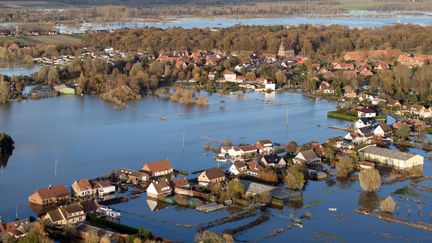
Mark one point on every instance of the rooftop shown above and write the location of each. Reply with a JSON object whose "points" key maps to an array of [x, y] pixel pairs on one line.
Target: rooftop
{"points": [[387, 153]]}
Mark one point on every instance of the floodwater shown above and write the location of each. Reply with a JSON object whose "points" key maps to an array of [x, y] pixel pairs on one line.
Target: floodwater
{"points": [[17, 69], [88, 138], [353, 21]]}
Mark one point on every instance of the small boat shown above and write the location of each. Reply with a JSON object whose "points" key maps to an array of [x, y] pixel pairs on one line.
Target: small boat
{"points": [[162, 117], [332, 209]]}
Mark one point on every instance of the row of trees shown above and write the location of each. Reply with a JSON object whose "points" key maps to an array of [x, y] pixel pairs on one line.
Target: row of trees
{"points": [[317, 42]]}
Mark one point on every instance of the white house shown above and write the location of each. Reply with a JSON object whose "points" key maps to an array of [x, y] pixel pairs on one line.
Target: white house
{"points": [[307, 157], [254, 168], [159, 187], [238, 167], [355, 138], [383, 130], [366, 112], [264, 146], [103, 188], [83, 188], [234, 151], [248, 150], [242, 151], [362, 122], [273, 160], [270, 86], [425, 112], [230, 76]]}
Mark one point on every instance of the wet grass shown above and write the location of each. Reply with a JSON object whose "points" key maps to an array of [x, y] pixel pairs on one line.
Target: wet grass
{"points": [[406, 191], [313, 204], [329, 236]]}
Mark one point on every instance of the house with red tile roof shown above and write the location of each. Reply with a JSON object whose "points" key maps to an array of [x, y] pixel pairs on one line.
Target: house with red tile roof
{"points": [[359, 56], [16, 229], [342, 66], [50, 195], [158, 168], [83, 188]]}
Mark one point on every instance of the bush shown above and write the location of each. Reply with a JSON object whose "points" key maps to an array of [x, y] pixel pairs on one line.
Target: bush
{"points": [[208, 236], [181, 200], [370, 180], [388, 205], [265, 197], [268, 176], [345, 166], [119, 96], [294, 178], [186, 97], [235, 189], [226, 143]]}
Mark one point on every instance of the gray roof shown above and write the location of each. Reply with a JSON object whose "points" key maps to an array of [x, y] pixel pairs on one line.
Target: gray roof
{"points": [[309, 154], [387, 153]]}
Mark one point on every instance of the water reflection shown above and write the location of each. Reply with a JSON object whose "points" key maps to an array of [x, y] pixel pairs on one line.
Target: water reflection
{"points": [[4, 160], [15, 69], [156, 205], [368, 201]]}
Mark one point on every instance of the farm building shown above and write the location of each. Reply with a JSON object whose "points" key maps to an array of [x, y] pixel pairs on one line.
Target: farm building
{"points": [[397, 159]]}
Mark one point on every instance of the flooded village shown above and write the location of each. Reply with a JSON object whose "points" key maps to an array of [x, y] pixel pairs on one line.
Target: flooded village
{"points": [[252, 182]]}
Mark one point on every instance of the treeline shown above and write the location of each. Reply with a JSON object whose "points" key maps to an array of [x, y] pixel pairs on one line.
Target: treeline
{"points": [[13, 51], [317, 42]]}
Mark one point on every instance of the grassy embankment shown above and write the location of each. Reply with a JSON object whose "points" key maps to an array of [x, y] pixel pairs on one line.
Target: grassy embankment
{"points": [[346, 115]]}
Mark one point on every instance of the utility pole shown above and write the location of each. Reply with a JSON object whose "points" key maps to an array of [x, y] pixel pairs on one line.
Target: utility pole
{"points": [[183, 141], [16, 212], [55, 168]]}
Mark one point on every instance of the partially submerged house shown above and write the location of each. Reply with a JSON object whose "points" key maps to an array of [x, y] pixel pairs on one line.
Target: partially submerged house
{"points": [[83, 188], [65, 215], [273, 160], [132, 176], [50, 195], [264, 146], [307, 157], [16, 229], [211, 175], [383, 130], [366, 112], [159, 187], [238, 167], [389, 157], [103, 188], [254, 168], [158, 168], [363, 122]]}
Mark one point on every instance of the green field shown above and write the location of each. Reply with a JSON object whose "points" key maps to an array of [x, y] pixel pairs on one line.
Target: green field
{"points": [[343, 115]]}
